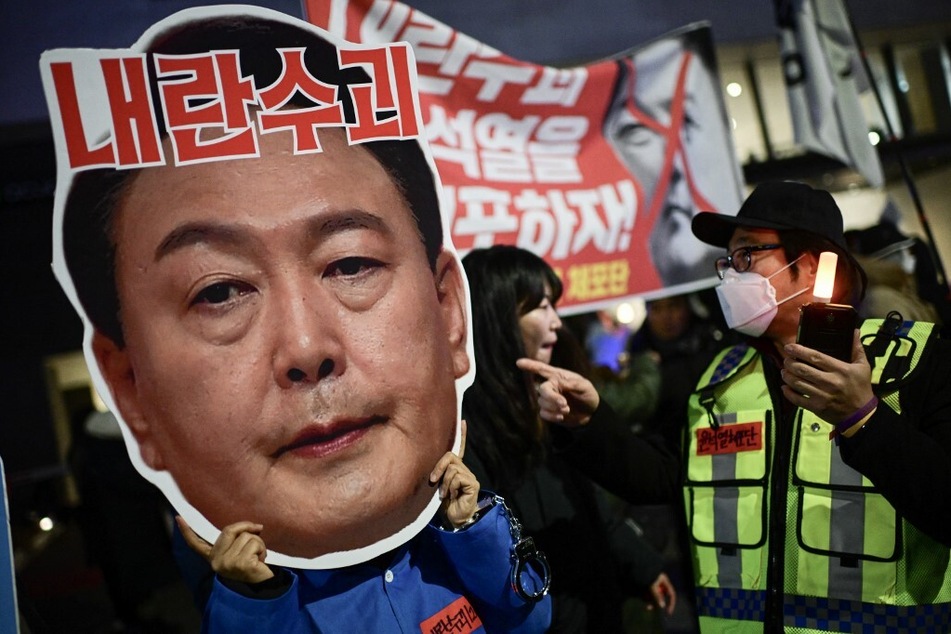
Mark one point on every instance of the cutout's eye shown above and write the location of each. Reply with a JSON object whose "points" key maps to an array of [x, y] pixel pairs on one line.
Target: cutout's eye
{"points": [[221, 292], [352, 266]]}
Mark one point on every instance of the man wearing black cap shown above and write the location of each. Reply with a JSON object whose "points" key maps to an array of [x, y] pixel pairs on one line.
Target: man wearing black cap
{"points": [[790, 531]]}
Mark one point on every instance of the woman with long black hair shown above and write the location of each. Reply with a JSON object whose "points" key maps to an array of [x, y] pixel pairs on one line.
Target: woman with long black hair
{"points": [[541, 437]]}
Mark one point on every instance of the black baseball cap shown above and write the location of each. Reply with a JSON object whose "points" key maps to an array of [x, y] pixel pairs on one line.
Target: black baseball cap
{"points": [[780, 205], [776, 205]]}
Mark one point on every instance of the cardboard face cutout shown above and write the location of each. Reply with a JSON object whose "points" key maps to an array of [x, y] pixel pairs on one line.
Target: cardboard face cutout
{"points": [[247, 220]]}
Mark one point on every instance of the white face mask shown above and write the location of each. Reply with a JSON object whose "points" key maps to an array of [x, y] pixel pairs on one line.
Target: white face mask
{"points": [[749, 301]]}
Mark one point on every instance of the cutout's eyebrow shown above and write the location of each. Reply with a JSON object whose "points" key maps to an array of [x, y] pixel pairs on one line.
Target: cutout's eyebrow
{"points": [[201, 232], [325, 225], [318, 228]]}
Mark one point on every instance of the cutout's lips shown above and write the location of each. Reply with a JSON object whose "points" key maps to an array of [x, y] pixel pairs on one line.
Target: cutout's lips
{"points": [[321, 440]]}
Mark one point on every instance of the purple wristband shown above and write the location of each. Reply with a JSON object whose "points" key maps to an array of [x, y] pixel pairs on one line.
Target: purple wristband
{"points": [[843, 425]]}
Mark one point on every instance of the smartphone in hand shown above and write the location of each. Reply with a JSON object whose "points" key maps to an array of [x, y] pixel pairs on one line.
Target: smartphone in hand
{"points": [[828, 328]]}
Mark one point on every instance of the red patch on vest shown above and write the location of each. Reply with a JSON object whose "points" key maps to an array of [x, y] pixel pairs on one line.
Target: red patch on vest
{"points": [[459, 617], [730, 439]]}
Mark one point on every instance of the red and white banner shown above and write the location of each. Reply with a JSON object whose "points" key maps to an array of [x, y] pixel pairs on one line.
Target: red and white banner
{"points": [[599, 169]]}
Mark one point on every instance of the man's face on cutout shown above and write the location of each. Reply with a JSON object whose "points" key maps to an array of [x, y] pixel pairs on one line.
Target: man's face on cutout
{"points": [[290, 354]]}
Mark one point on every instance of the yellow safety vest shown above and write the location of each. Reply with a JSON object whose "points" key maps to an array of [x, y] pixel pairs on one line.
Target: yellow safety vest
{"points": [[851, 563]]}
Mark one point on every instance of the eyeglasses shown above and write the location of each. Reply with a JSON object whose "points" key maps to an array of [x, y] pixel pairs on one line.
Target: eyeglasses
{"points": [[741, 259]]}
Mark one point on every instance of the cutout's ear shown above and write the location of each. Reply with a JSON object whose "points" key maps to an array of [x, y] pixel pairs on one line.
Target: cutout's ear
{"points": [[117, 370], [450, 292]]}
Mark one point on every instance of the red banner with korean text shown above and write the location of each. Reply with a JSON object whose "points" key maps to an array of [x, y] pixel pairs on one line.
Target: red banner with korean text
{"points": [[599, 168]]}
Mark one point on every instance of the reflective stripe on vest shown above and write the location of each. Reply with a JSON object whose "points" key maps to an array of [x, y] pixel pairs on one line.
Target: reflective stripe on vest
{"points": [[823, 615], [843, 540]]}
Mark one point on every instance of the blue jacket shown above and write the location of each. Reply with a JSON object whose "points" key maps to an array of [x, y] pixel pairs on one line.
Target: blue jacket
{"points": [[440, 581]]}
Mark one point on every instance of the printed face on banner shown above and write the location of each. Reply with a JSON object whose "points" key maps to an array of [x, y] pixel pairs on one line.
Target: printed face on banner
{"points": [[668, 126], [283, 333], [598, 169]]}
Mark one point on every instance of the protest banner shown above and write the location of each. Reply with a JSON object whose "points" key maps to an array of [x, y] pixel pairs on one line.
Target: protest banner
{"points": [[597, 168]]}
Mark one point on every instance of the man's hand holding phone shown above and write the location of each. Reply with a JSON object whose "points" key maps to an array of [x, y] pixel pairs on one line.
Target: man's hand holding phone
{"points": [[831, 388]]}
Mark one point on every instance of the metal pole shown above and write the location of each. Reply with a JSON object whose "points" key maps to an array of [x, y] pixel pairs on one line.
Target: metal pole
{"points": [[905, 169], [758, 104]]}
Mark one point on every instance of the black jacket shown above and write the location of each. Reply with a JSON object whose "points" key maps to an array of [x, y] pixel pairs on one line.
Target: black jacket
{"points": [[596, 555]]}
